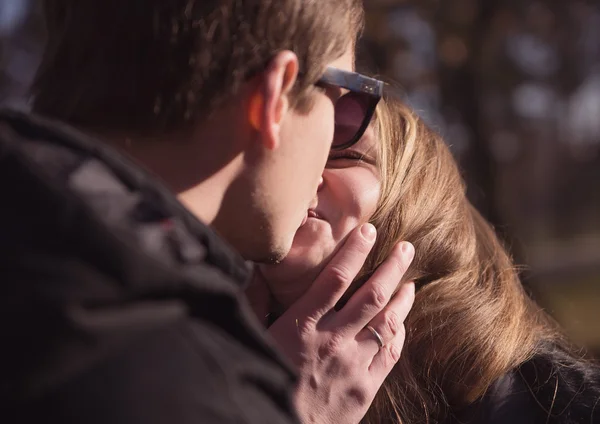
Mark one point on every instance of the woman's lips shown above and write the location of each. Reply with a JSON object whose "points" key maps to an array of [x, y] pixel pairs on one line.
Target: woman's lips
{"points": [[314, 214], [311, 213]]}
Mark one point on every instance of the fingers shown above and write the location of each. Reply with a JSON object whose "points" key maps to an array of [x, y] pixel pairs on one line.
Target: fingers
{"points": [[386, 358], [368, 344], [375, 294], [388, 323], [335, 279], [388, 326]]}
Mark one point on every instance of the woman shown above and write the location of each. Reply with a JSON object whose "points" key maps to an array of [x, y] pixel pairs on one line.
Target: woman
{"points": [[477, 349]]}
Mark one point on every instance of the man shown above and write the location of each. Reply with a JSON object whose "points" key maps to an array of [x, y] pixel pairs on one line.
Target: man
{"points": [[119, 304]]}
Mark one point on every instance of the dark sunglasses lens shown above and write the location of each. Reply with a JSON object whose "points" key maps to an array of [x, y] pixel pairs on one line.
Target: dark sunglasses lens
{"points": [[350, 112]]}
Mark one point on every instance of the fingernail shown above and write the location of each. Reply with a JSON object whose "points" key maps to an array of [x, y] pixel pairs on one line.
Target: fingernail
{"points": [[408, 250], [368, 231]]}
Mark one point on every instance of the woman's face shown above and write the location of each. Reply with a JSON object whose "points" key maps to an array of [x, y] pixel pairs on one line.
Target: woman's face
{"points": [[347, 198]]}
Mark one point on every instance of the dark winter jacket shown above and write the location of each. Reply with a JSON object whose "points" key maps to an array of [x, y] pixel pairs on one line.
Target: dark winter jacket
{"points": [[551, 388], [117, 305]]}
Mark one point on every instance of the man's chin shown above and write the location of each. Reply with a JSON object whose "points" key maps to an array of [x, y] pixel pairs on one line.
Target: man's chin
{"points": [[275, 259], [276, 254], [294, 267]]}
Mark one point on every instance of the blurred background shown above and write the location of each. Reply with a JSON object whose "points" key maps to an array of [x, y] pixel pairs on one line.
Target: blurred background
{"points": [[512, 85]]}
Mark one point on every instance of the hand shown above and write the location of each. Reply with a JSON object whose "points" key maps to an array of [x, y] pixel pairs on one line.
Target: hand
{"points": [[342, 363]]}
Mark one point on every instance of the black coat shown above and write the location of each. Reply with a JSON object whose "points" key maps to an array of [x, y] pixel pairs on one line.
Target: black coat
{"points": [[551, 388], [117, 305]]}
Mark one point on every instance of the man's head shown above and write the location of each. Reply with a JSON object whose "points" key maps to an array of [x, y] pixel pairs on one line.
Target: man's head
{"points": [[238, 73]]}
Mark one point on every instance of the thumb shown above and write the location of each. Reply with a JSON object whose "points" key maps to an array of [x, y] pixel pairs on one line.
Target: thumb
{"points": [[338, 274]]}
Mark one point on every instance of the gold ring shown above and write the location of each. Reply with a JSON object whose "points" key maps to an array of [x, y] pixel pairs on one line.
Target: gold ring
{"points": [[377, 336]]}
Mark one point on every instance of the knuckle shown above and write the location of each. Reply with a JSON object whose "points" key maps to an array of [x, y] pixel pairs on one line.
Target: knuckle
{"points": [[358, 396], [392, 323], [330, 348], [377, 296], [305, 327], [340, 275]]}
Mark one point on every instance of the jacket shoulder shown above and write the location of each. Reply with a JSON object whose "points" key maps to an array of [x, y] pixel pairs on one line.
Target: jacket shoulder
{"points": [[550, 388]]}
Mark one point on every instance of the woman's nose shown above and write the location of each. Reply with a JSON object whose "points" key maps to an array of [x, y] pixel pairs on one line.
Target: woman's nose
{"points": [[320, 184]]}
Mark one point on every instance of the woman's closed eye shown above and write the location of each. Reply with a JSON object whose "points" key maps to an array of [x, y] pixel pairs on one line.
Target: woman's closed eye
{"points": [[348, 158]]}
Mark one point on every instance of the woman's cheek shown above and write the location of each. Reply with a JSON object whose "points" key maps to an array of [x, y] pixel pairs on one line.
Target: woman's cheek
{"points": [[367, 195]]}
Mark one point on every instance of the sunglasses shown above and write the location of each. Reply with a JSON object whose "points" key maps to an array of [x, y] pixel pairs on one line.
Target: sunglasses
{"points": [[355, 109]]}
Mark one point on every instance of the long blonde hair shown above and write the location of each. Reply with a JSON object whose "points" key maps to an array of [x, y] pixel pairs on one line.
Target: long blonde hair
{"points": [[471, 322]]}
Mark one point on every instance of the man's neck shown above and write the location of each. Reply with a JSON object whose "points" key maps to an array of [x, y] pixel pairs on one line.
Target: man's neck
{"points": [[198, 169], [205, 199]]}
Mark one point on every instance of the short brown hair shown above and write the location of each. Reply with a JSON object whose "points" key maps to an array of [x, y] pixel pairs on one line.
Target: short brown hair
{"points": [[152, 66]]}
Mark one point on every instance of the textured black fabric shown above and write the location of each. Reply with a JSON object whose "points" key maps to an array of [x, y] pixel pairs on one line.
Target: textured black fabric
{"points": [[551, 388], [117, 305]]}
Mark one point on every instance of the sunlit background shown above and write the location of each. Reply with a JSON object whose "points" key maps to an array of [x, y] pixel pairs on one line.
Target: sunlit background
{"points": [[512, 85]]}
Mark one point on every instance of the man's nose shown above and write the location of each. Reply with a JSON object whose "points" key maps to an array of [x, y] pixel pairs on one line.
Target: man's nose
{"points": [[320, 184]]}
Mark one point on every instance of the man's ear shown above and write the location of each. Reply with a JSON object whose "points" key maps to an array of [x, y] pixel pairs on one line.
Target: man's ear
{"points": [[270, 97]]}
